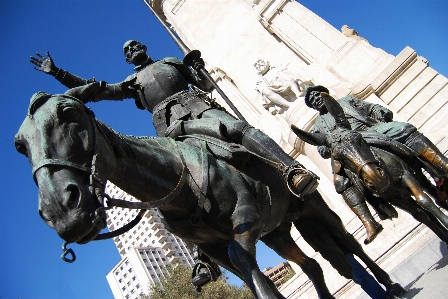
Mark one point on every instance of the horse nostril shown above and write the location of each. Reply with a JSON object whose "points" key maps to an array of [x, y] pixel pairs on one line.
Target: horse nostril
{"points": [[72, 196]]}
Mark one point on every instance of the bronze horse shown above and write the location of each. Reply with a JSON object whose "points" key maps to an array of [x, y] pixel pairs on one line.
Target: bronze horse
{"points": [[73, 154], [377, 172]]}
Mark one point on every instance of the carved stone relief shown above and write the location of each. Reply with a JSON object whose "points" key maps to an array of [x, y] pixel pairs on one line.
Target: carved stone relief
{"points": [[278, 85]]}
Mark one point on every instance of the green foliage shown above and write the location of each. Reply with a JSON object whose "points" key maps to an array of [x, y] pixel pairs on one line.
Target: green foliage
{"points": [[288, 276], [178, 285]]}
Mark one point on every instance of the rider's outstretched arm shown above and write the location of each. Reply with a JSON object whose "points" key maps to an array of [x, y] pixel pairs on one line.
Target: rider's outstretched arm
{"points": [[99, 91], [46, 65]]}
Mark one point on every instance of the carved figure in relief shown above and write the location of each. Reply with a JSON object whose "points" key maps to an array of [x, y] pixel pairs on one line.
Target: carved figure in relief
{"points": [[377, 123], [277, 85]]}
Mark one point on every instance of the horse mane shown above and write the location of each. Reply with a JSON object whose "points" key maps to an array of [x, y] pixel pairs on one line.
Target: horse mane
{"points": [[41, 97], [116, 140]]}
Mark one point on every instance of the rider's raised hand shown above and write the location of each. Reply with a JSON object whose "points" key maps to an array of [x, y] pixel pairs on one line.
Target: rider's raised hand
{"points": [[44, 64]]}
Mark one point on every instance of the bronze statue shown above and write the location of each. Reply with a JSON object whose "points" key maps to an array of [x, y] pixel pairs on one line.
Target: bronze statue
{"points": [[225, 209], [372, 118], [373, 171], [162, 88]]}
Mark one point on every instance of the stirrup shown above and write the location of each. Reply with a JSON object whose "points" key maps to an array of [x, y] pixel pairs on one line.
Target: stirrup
{"points": [[300, 181], [203, 273]]}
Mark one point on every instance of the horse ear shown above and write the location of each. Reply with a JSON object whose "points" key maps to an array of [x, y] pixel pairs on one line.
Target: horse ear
{"points": [[84, 93], [336, 111], [316, 139]]}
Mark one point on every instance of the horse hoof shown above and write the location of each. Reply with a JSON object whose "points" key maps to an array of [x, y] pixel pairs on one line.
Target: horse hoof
{"points": [[371, 235], [395, 291]]}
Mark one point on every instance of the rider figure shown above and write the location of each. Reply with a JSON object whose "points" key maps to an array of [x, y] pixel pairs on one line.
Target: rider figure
{"points": [[365, 116], [162, 88]]}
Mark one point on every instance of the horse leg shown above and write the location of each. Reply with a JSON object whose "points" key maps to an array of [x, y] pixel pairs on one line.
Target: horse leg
{"points": [[422, 199], [345, 240], [247, 229], [438, 192], [280, 241], [219, 254], [408, 205]]}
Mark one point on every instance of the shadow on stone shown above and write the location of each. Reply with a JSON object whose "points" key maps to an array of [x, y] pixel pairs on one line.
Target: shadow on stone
{"points": [[412, 293], [444, 261], [408, 287]]}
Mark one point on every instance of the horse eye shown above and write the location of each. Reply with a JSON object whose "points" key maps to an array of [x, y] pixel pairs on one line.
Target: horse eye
{"points": [[68, 112]]}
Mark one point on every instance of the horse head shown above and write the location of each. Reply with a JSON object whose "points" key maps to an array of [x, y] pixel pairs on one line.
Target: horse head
{"points": [[58, 137], [349, 149]]}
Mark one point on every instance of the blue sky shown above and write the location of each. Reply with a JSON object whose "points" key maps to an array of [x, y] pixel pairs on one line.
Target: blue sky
{"points": [[86, 38]]}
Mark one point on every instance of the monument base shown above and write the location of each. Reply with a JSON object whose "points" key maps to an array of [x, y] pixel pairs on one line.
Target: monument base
{"points": [[422, 248]]}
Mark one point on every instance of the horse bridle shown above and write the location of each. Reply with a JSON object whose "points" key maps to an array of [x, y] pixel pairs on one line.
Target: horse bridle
{"points": [[97, 186]]}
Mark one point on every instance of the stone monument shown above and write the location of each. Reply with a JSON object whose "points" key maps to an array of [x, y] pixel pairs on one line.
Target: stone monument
{"points": [[346, 66]]}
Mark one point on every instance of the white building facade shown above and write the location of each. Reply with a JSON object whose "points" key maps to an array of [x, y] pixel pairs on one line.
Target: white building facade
{"points": [[146, 250]]}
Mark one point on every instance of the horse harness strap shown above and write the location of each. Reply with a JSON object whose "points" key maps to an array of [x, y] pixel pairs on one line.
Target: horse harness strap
{"points": [[122, 229], [143, 206], [195, 219], [58, 162], [113, 202]]}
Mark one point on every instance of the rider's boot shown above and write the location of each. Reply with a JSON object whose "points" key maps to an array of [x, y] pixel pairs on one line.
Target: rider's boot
{"points": [[300, 181], [428, 151], [355, 200]]}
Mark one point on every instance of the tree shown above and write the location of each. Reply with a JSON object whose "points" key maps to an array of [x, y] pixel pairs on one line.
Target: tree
{"points": [[178, 285]]}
